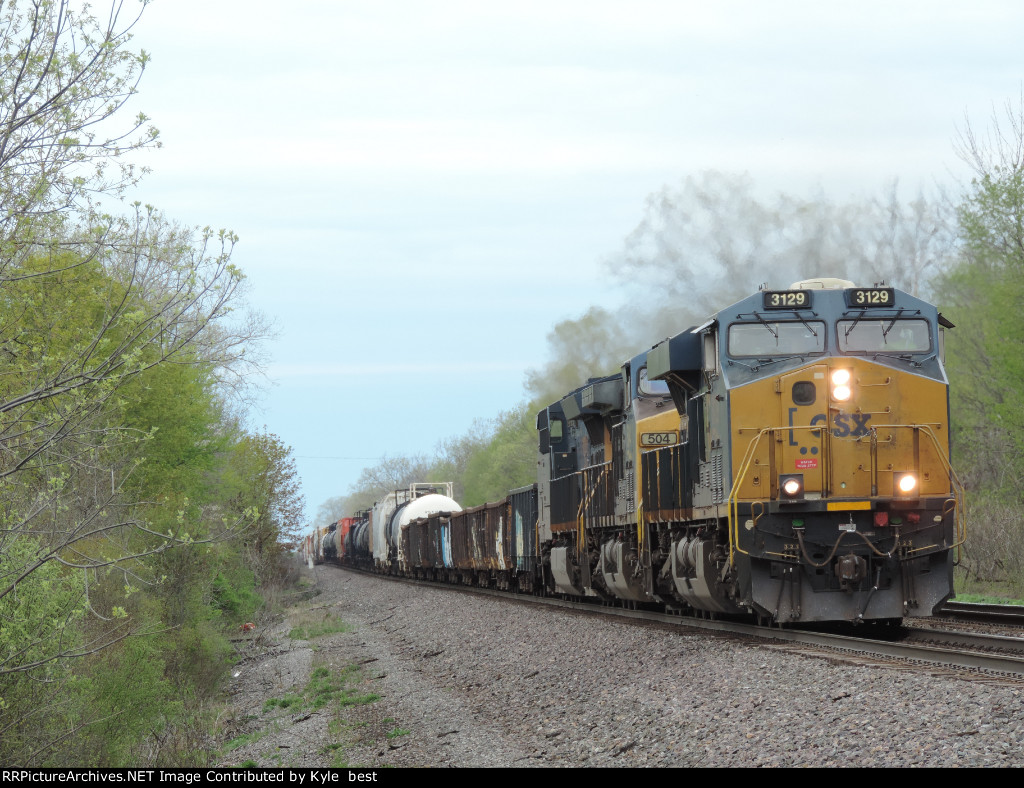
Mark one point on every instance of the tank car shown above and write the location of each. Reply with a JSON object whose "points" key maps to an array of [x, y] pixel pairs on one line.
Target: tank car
{"points": [[788, 458], [393, 513], [334, 539], [357, 550]]}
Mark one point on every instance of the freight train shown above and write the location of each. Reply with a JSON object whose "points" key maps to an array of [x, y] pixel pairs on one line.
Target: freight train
{"points": [[786, 460]]}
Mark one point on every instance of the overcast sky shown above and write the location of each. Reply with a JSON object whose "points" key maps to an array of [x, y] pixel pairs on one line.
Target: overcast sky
{"points": [[423, 189]]}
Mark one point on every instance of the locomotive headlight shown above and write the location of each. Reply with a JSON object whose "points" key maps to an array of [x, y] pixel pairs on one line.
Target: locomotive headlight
{"points": [[791, 486], [841, 390], [906, 483]]}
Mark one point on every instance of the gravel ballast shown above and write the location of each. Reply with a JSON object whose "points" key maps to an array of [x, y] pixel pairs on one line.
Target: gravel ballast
{"points": [[471, 681]]}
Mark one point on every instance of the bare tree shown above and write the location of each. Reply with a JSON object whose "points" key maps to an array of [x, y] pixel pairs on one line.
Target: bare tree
{"points": [[999, 151], [713, 237], [388, 475], [712, 240], [332, 510]]}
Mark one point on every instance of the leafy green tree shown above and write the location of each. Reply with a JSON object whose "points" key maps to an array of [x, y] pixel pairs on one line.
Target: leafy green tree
{"points": [[262, 470], [453, 456], [67, 76], [494, 456], [178, 410], [64, 447], [507, 461], [590, 346], [119, 334], [984, 294]]}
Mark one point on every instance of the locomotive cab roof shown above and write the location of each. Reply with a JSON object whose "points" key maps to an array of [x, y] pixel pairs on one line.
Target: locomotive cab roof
{"points": [[822, 283], [600, 397]]}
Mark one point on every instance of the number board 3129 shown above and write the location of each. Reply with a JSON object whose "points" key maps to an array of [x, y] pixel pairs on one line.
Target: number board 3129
{"points": [[870, 296], [787, 299]]}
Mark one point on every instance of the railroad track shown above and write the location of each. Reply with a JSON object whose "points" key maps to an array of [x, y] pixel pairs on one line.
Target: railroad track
{"points": [[994, 657], [1008, 615], [975, 655], [997, 658]]}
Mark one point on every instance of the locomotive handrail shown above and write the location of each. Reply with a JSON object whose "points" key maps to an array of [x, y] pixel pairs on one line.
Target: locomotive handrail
{"points": [[733, 529], [958, 487], [585, 501], [960, 528]]}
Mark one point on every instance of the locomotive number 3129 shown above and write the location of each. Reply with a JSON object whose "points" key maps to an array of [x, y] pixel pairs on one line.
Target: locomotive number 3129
{"points": [[786, 299]]}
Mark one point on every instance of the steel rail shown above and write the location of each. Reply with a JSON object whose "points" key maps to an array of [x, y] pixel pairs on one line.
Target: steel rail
{"points": [[974, 658]]}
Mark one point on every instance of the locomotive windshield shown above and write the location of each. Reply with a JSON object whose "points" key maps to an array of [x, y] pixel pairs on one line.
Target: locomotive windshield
{"points": [[886, 335], [651, 387], [796, 338]]}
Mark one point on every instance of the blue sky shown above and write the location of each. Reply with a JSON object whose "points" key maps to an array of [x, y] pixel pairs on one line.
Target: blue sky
{"points": [[422, 190]]}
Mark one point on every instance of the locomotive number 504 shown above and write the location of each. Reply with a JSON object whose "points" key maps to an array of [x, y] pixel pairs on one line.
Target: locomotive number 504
{"points": [[659, 438]]}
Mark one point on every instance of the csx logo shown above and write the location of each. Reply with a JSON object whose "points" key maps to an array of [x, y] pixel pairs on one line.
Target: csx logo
{"points": [[850, 424], [846, 425]]}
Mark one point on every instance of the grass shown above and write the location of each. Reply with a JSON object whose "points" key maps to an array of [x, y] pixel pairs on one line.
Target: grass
{"points": [[283, 703], [315, 629], [338, 727], [395, 732], [987, 592], [336, 688], [340, 761], [341, 687], [241, 741], [986, 599], [324, 687]]}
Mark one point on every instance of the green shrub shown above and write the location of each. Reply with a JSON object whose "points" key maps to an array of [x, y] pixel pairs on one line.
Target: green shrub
{"points": [[235, 595], [122, 701]]}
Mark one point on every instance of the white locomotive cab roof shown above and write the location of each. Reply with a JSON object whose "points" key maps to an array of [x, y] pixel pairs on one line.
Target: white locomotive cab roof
{"points": [[823, 283]]}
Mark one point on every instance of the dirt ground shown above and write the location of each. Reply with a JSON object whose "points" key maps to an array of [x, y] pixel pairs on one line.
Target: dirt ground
{"points": [[336, 683], [279, 715]]}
